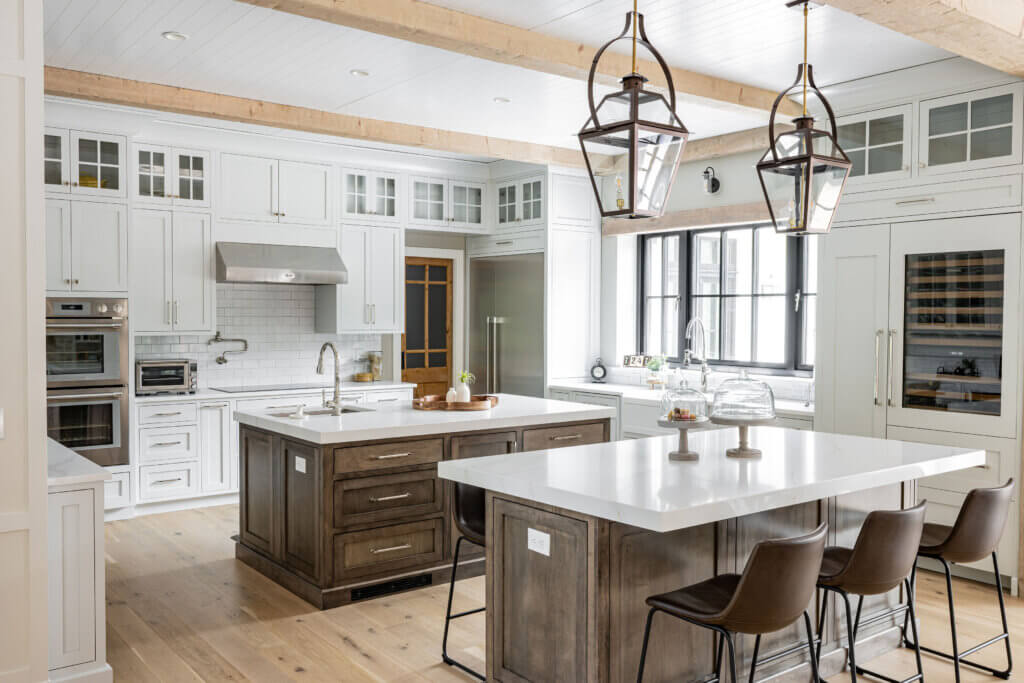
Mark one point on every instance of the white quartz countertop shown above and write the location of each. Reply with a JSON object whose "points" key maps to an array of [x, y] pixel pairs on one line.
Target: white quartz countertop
{"points": [[634, 482], [64, 467], [257, 392], [636, 392], [395, 421]]}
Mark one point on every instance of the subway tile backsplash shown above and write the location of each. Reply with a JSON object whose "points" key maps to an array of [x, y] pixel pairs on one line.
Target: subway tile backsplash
{"points": [[277, 321]]}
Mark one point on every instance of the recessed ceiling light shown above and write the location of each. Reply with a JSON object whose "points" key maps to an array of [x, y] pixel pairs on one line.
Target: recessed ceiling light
{"points": [[359, 73], [174, 35], [501, 100]]}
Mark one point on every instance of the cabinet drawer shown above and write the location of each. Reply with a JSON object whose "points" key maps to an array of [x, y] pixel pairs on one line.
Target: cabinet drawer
{"points": [[259, 405], [371, 499], [518, 243], [380, 456], [117, 491], [167, 413], [389, 396], [388, 548], [176, 480], [164, 444], [921, 200], [563, 435]]}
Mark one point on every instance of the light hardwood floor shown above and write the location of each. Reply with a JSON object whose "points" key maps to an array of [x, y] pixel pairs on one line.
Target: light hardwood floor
{"points": [[180, 608]]}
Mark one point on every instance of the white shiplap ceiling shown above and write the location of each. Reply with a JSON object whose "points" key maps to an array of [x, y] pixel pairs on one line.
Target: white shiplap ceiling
{"points": [[248, 51]]}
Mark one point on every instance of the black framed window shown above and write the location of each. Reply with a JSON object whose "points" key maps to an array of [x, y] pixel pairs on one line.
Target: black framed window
{"points": [[752, 288]]}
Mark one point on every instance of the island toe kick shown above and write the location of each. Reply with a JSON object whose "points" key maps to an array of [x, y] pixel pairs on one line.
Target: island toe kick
{"points": [[566, 591]]}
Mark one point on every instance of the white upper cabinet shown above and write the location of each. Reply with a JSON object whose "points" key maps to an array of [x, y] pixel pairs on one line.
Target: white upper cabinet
{"points": [[171, 265], [97, 164], [972, 130], [429, 201], [273, 191], [879, 144], [454, 204], [466, 204], [86, 247], [370, 195], [58, 245], [572, 202], [520, 202], [385, 276], [56, 162], [170, 176]]}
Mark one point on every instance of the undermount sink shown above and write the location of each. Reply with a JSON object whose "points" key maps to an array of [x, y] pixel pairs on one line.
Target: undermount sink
{"points": [[324, 411]]}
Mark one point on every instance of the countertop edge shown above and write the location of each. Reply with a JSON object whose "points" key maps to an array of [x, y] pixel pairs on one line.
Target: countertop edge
{"points": [[65, 467], [208, 394], [783, 407]]}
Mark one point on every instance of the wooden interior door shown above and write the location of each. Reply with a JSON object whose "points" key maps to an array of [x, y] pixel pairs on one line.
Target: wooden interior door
{"points": [[427, 342]]}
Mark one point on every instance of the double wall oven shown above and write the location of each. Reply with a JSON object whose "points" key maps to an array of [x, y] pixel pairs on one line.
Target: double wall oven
{"points": [[87, 375]]}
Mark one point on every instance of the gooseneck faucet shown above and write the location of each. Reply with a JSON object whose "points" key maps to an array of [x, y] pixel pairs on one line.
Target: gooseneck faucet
{"points": [[696, 337], [335, 405]]}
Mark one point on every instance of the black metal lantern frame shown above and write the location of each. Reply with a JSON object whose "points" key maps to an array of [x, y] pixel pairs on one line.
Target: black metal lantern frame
{"points": [[660, 143], [804, 171]]}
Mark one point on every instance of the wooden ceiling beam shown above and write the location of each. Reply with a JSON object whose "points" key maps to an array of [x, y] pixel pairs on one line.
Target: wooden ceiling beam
{"points": [[987, 32], [97, 87], [440, 27]]}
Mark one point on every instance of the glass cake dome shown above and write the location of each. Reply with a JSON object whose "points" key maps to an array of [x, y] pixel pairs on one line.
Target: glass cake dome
{"points": [[743, 400], [684, 405]]}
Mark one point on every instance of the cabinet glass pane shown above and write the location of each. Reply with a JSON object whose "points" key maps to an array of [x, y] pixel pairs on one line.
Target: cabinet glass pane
{"points": [[886, 130], [52, 173], [954, 332], [109, 177], [87, 175], [51, 147], [992, 111], [108, 154], [994, 142], [88, 151], [852, 135], [949, 119], [857, 159], [437, 212], [947, 150], [53, 157], [436, 192], [885, 159]]}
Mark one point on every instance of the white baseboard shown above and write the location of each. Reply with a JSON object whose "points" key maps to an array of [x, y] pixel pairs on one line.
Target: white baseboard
{"points": [[84, 673], [141, 509]]}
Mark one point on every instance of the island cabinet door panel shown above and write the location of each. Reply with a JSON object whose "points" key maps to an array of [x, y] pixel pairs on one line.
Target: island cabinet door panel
{"points": [[539, 555], [642, 563], [474, 446], [387, 496], [301, 506], [388, 549], [564, 435], [259, 491]]}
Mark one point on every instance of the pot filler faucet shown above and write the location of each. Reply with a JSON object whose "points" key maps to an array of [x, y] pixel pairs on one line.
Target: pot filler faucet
{"points": [[696, 337], [336, 403]]}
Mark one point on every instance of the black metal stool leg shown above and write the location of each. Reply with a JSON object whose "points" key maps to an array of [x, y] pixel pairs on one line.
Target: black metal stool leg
{"points": [[851, 635], [643, 651], [753, 660], [719, 651], [448, 616], [952, 618], [821, 624], [815, 678], [913, 587], [912, 615], [732, 657], [1005, 674]]}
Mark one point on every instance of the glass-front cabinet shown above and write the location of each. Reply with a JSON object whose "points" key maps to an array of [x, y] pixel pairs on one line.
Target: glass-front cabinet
{"points": [[467, 204], [953, 338], [972, 130], [56, 165], [178, 177], [370, 195], [97, 164], [520, 202], [879, 144], [429, 200]]}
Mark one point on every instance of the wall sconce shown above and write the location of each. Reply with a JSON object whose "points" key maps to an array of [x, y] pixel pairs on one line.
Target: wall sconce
{"points": [[711, 183]]}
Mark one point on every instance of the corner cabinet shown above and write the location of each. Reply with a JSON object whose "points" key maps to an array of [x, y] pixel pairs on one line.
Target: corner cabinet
{"points": [[274, 191], [168, 176], [172, 285], [86, 246], [370, 196], [373, 299], [457, 205]]}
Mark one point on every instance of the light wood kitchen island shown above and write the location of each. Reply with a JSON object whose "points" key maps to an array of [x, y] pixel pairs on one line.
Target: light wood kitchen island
{"points": [[604, 526], [349, 507]]}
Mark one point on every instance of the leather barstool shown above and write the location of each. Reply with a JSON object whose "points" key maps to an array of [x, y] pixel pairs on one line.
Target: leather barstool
{"points": [[973, 537], [771, 594], [882, 558], [470, 518]]}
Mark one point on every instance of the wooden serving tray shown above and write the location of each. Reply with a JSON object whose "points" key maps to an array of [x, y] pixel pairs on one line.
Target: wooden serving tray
{"points": [[437, 402]]}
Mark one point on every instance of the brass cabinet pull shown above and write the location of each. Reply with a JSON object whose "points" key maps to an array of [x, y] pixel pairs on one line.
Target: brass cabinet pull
{"points": [[404, 546], [392, 455], [384, 499], [567, 437]]}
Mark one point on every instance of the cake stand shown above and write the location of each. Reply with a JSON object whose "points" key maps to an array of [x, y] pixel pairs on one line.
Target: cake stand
{"points": [[744, 423], [683, 453]]}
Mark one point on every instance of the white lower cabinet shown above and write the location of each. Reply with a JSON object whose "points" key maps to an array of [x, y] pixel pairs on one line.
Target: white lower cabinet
{"points": [[599, 399], [168, 444], [219, 465], [117, 491], [385, 397], [71, 537], [172, 480]]}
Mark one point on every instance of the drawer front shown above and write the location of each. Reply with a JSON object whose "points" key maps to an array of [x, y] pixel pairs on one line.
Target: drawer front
{"points": [[167, 413], [794, 423], [161, 482], [559, 394], [561, 436], [166, 444], [387, 496], [965, 195], [593, 399], [386, 549], [389, 396], [381, 456], [117, 491], [518, 243], [259, 405]]}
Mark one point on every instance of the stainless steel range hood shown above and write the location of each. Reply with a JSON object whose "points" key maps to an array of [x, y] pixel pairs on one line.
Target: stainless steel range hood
{"points": [[279, 264]]}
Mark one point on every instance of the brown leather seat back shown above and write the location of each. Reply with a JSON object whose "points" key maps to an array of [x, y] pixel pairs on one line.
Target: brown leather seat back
{"points": [[885, 551], [776, 585], [470, 512], [980, 524]]}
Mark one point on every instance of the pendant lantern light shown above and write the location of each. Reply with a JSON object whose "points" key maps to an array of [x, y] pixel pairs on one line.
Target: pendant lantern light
{"points": [[803, 172], [638, 132]]}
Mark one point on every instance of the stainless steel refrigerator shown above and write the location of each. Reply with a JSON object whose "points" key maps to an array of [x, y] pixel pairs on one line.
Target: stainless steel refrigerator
{"points": [[506, 324]]}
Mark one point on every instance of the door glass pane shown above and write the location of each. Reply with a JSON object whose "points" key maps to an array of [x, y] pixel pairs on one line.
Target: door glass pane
{"points": [[739, 247], [886, 130], [81, 425], [948, 150], [771, 262], [415, 272], [415, 361], [415, 327], [952, 356], [74, 354], [992, 111], [438, 273], [770, 340], [707, 270], [438, 359], [994, 142], [885, 159], [706, 308], [737, 321], [437, 318], [949, 119]]}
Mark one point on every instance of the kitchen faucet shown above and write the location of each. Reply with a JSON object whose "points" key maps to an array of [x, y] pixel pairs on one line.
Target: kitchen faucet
{"points": [[695, 332], [336, 403]]}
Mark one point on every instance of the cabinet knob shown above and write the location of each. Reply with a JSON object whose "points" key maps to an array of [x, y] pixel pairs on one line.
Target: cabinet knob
{"points": [[922, 164], [281, 214], [75, 281], [67, 281], [66, 182], [74, 184]]}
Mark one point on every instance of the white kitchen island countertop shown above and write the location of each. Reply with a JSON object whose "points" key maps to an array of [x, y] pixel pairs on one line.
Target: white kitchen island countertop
{"points": [[64, 467], [395, 421], [634, 482]]}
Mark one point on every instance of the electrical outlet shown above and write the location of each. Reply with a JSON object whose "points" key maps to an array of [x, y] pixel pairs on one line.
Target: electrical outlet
{"points": [[538, 542], [300, 465]]}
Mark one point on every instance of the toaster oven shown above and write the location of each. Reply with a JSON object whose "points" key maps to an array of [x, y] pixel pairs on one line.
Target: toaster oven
{"points": [[165, 377]]}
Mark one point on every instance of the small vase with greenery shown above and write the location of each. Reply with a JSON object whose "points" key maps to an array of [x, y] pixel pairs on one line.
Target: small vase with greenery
{"points": [[462, 392]]}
